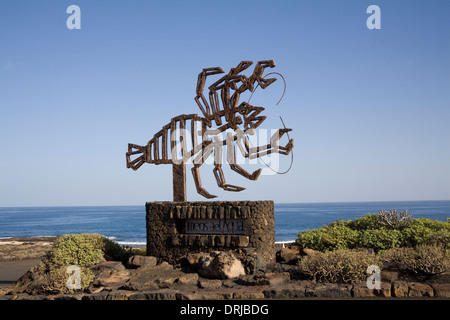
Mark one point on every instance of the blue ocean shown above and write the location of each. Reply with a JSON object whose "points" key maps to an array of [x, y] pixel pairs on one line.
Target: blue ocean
{"points": [[126, 224]]}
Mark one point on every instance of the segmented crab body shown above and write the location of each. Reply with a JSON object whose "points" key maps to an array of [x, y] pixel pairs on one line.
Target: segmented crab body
{"points": [[193, 137]]}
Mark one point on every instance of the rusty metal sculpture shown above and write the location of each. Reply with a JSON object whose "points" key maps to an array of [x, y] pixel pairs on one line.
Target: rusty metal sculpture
{"points": [[242, 119]]}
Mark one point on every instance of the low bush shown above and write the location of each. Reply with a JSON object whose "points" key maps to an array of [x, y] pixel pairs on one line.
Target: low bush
{"points": [[56, 279], [82, 250], [379, 239], [367, 222], [424, 259], [332, 237], [75, 249], [369, 232], [417, 246], [441, 238], [422, 231], [347, 266]]}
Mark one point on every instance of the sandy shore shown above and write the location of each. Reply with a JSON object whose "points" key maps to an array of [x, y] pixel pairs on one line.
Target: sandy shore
{"points": [[18, 255], [24, 248], [10, 271]]}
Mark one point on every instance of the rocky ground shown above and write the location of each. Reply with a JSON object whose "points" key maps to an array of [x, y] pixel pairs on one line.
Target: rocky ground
{"points": [[221, 276]]}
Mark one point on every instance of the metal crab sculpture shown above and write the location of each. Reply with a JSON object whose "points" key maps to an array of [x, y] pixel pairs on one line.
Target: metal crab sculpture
{"points": [[241, 118]]}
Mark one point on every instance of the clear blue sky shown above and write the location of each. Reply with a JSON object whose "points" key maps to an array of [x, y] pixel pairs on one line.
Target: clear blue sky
{"points": [[370, 109]]}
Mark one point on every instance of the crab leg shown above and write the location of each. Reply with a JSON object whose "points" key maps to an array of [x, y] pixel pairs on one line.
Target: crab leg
{"points": [[198, 161], [218, 173]]}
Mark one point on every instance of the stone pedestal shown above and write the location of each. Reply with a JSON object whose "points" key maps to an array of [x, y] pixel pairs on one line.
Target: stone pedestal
{"points": [[175, 229]]}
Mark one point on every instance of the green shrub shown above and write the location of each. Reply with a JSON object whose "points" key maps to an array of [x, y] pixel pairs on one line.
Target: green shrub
{"points": [[347, 266], [423, 259], [420, 231], [369, 232], [114, 250], [82, 250], [332, 237], [76, 249], [311, 239], [435, 225], [441, 237], [380, 239], [415, 234], [56, 279], [367, 222]]}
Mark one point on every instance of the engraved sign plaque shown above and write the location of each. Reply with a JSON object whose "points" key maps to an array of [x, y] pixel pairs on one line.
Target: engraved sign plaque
{"points": [[214, 226]]}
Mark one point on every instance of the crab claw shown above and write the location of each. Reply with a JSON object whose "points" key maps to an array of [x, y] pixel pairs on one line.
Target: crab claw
{"points": [[230, 187], [206, 194], [284, 130], [288, 147]]}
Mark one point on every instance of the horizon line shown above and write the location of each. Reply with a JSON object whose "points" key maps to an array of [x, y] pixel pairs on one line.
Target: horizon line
{"points": [[136, 205]]}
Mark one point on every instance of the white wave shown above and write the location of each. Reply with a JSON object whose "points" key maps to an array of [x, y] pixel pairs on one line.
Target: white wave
{"points": [[281, 242], [29, 237], [132, 243], [40, 237]]}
